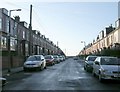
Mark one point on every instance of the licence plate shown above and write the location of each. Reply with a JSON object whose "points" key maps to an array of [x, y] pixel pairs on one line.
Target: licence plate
{"points": [[29, 65]]}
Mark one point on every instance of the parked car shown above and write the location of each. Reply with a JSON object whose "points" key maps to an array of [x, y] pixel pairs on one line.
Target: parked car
{"points": [[106, 68], [88, 64], [3, 81], [49, 60], [35, 62], [61, 58], [56, 58], [75, 58]]}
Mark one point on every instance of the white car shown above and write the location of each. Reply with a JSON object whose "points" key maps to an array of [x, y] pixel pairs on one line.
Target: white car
{"points": [[106, 68], [61, 58], [56, 58], [35, 62]]}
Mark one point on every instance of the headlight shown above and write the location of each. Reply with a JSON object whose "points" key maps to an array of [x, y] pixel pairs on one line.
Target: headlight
{"points": [[104, 70], [24, 64]]}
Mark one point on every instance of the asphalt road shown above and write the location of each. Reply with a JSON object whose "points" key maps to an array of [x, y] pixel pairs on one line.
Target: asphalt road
{"points": [[67, 75]]}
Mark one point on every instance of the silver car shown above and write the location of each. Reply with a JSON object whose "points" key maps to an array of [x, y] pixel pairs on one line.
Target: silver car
{"points": [[56, 58], [88, 64], [106, 68], [35, 62]]}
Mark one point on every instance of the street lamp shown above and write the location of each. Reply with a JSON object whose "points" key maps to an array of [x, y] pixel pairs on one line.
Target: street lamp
{"points": [[9, 50], [84, 45]]}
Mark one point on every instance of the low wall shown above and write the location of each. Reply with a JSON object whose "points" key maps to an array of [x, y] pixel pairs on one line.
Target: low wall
{"points": [[15, 62]]}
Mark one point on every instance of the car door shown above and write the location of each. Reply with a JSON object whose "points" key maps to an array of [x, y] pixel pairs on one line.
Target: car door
{"points": [[43, 61], [96, 66], [85, 63]]}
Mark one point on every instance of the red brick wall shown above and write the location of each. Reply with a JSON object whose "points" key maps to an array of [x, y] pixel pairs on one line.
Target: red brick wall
{"points": [[16, 62]]}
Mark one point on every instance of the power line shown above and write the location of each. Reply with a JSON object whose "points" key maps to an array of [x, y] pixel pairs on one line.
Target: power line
{"points": [[39, 20], [20, 6]]}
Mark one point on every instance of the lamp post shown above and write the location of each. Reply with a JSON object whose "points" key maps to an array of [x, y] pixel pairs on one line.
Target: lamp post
{"points": [[84, 46], [9, 34]]}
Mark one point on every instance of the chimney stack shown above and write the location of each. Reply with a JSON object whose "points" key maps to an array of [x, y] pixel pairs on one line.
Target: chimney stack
{"points": [[17, 18]]}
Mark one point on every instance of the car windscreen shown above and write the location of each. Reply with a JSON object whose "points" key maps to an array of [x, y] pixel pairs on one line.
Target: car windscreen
{"points": [[109, 61], [48, 57], [33, 58], [55, 56], [91, 58]]}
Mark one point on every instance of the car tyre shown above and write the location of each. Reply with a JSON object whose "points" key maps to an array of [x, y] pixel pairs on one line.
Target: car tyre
{"points": [[100, 78], [45, 67], [87, 69], [24, 69], [84, 68], [93, 73], [41, 67]]}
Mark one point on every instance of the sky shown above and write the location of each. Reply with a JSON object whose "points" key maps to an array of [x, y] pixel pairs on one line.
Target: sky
{"points": [[67, 22]]}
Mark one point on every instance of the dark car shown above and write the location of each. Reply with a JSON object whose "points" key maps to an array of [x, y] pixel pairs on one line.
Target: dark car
{"points": [[75, 58], [88, 64], [2, 81], [49, 60]]}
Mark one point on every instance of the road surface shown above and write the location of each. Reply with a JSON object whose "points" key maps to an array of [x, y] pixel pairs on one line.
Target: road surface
{"points": [[67, 75]]}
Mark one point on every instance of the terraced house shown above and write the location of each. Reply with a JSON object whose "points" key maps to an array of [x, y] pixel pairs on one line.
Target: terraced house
{"points": [[17, 42], [108, 39]]}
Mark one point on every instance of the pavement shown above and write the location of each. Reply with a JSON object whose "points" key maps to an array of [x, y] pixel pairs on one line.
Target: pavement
{"points": [[12, 71]]}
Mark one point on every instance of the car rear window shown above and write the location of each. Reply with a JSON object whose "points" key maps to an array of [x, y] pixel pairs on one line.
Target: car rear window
{"points": [[34, 58], [91, 58], [48, 57], [109, 61]]}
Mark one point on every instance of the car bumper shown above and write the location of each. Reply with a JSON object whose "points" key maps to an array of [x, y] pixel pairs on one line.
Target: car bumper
{"points": [[31, 67], [49, 63], [112, 77], [89, 68]]}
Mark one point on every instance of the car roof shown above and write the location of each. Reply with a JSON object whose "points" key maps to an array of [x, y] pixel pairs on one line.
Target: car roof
{"points": [[48, 55], [107, 57], [36, 55], [92, 56]]}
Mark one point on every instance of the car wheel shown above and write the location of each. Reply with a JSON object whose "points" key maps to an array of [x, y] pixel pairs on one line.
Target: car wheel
{"points": [[87, 69], [45, 67], [93, 73], [84, 68], [100, 78], [24, 69], [41, 67]]}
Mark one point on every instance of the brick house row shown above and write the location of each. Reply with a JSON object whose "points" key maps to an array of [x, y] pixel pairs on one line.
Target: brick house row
{"points": [[107, 39], [21, 43]]}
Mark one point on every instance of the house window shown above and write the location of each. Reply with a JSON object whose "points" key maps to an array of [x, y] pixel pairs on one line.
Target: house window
{"points": [[23, 34], [13, 44], [15, 29], [7, 25], [26, 49], [3, 42], [27, 36]]}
